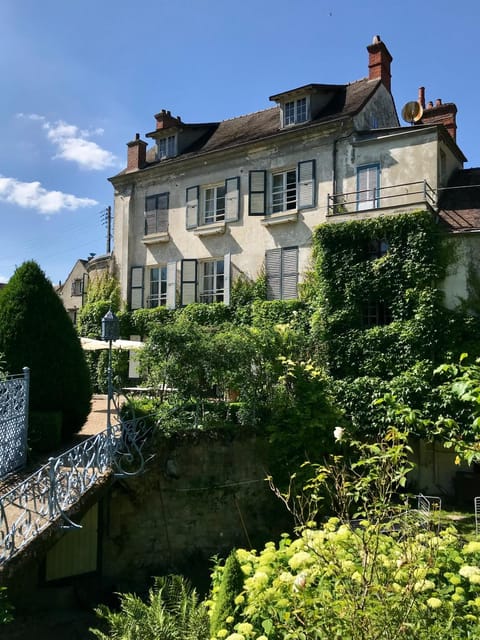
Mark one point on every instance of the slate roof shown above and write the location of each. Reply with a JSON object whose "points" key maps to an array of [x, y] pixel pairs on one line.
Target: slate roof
{"points": [[459, 203], [347, 101]]}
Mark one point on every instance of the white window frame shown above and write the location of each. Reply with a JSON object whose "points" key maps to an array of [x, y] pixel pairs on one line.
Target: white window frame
{"points": [[213, 198], [212, 281], [167, 147], [296, 111], [281, 199], [158, 287], [368, 194]]}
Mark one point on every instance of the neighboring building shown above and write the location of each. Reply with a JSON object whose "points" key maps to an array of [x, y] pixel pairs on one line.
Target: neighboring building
{"points": [[210, 201], [72, 292]]}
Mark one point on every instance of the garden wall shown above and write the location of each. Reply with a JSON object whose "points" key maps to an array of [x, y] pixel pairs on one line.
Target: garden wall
{"points": [[200, 497]]}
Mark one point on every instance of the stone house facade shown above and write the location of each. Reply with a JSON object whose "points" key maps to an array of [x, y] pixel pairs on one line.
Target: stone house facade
{"points": [[209, 202]]}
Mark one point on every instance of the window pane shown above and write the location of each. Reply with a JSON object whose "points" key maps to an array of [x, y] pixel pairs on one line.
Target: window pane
{"points": [[301, 110], [289, 111]]}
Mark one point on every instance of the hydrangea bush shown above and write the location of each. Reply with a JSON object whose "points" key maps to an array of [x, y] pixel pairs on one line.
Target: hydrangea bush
{"points": [[337, 581]]}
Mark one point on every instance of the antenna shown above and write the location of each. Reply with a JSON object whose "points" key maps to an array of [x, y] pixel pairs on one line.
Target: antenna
{"points": [[412, 112]]}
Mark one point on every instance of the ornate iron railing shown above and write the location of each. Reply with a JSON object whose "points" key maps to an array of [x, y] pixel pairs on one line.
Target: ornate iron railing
{"points": [[13, 422], [46, 495]]}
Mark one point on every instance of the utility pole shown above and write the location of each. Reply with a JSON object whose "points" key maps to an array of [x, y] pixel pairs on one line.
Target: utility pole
{"points": [[107, 221]]}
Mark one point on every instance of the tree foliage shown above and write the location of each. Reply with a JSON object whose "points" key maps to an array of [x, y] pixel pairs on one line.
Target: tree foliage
{"points": [[36, 332]]}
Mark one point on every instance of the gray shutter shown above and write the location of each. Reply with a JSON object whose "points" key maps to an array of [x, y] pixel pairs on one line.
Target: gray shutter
{"points": [[136, 288], [227, 260], [306, 184], [273, 270], [188, 290], [162, 213], [257, 189], [232, 199], [171, 284], [289, 273], [192, 207], [150, 215]]}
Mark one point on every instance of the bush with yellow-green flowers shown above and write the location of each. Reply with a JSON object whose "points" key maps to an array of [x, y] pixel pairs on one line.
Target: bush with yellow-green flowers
{"points": [[361, 582]]}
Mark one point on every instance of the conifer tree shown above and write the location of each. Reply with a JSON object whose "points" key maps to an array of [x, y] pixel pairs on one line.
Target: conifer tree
{"points": [[36, 332]]}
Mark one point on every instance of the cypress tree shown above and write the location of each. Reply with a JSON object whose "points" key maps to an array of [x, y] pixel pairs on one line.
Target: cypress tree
{"points": [[230, 587], [36, 332]]}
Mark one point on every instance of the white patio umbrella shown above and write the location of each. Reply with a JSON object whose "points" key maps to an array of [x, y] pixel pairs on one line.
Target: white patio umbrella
{"points": [[89, 344]]}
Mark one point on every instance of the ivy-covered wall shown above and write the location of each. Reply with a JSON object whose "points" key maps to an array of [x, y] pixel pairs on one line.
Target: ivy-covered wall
{"points": [[376, 286]]}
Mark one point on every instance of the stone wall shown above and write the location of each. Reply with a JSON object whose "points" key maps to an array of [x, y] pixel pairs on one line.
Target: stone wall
{"points": [[200, 497]]}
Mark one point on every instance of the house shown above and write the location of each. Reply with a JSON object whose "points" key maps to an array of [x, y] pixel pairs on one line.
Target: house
{"points": [[207, 202], [72, 292]]}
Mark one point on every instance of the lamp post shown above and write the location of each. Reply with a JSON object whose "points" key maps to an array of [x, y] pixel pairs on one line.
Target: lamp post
{"points": [[110, 332]]}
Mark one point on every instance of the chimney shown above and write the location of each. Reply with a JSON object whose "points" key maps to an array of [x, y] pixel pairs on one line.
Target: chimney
{"points": [[439, 113], [136, 154], [379, 60], [421, 97], [165, 120]]}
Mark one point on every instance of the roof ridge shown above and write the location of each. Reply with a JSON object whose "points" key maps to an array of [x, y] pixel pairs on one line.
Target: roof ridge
{"points": [[253, 113]]}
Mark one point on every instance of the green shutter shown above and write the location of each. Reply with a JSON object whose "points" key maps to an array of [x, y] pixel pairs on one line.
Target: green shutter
{"points": [[136, 288], [188, 289], [306, 184], [257, 201], [232, 199], [192, 207]]}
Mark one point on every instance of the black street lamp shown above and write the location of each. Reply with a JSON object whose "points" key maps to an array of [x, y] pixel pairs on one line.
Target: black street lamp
{"points": [[110, 332]]}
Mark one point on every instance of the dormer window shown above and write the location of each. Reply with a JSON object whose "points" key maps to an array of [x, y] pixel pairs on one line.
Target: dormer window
{"points": [[295, 111], [166, 147]]}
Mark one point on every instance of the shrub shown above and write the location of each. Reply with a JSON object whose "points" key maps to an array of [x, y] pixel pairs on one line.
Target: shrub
{"points": [[172, 612], [44, 430], [231, 585], [35, 331]]}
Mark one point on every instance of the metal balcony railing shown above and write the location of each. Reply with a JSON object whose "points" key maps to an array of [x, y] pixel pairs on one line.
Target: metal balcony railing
{"points": [[47, 495], [408, 195]]}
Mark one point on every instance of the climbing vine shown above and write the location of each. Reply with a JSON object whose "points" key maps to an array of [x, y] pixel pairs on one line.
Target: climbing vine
{"points": [[375, 285]]}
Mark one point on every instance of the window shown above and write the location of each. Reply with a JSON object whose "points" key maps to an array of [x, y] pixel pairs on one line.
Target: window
{"points": [[295, 111], [166, 147], [212, 281], [205, 281], [287, 190], [158, 287], [376, 313], [77, 287], [284, 191], [214, 204], [156, 214], [376, 249], [368, 183], [281, 267]]}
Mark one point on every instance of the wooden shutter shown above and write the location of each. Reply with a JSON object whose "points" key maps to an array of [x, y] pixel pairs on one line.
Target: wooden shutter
{"points": [[289, 273], [257, 201], [306, 184], [227, 260], [232, 199], [273, 270], [136, 288], [156, 214], [171, 284], [192, 207], [188, 290]]}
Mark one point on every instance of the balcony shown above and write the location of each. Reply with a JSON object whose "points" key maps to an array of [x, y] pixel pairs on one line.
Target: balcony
{"points": [[400, 197]]}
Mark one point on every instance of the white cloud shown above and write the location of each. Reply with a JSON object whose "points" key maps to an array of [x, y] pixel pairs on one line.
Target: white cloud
{"points": [[73, 144], [31, 195]]}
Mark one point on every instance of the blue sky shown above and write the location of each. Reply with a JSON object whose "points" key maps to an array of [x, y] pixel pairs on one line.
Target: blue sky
{"points": [[81, 77]]}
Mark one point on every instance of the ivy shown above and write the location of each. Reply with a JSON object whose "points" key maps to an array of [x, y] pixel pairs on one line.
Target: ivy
{"points": [[399, 283]]}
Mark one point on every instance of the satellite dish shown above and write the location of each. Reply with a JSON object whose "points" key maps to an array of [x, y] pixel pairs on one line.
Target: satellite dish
{"points": [[412, 112]]}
